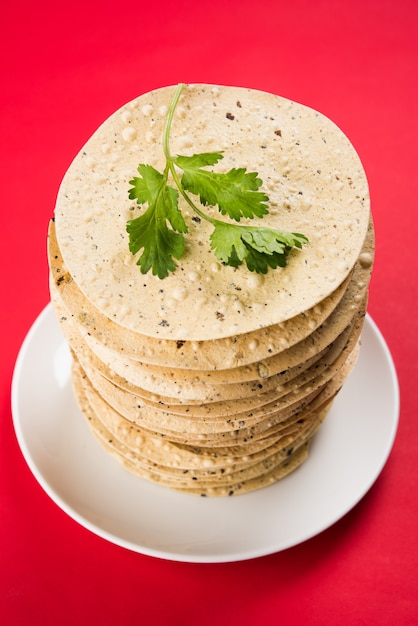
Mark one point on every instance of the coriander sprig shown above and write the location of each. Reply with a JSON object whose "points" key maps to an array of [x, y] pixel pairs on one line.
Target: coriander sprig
{"points": [[159, 231]]}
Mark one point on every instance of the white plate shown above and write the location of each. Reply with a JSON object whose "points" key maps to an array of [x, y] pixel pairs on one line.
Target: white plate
{"points": [[346, 457]]}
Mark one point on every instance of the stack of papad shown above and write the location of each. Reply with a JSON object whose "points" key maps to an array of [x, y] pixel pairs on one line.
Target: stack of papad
{"points": [[214, 380]]}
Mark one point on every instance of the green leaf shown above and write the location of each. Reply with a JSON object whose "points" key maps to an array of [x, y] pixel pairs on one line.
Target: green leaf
{"points": [[158, 231], [259, 247], [235, 192], [198, 160]]}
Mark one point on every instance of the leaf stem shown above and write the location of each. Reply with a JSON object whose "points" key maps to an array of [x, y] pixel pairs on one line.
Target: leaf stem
{"points": [[169, 159], [169, 120]]}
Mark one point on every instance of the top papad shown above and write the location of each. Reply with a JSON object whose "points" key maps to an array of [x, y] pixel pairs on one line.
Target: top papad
{"points": [[310, 171]]}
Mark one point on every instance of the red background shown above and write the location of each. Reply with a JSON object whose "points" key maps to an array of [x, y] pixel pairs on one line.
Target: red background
{"points": [[65, 68]]}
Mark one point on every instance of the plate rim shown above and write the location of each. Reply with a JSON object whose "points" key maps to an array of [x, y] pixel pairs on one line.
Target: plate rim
{"points": [[175, 556]]}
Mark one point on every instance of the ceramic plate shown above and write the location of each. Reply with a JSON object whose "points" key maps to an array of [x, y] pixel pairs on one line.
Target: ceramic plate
{"points": [[346, 457]]}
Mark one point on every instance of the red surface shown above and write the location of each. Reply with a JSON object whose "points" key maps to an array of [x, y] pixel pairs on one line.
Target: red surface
{"points": [[67, 66]]}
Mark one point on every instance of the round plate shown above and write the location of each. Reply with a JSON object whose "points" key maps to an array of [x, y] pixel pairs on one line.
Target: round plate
{"points": [[346, 457]]}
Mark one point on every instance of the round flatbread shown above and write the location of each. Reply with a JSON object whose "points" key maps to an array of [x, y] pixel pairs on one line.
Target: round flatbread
{"points": [[309, 169]]}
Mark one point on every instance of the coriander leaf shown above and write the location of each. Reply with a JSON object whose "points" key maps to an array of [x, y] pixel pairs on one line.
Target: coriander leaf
{"points": [[160, 244], [151, 187], [146, 186], [259, 247], [150, 231], [234, 192], [158, 232], [198, 160]]}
